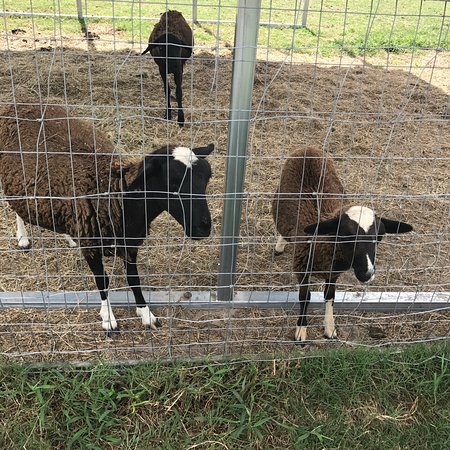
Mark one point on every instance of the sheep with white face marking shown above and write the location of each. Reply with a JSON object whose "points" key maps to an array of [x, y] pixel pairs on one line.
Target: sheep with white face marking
{"points": [[63, 175], [170, 43], [311, 201]]}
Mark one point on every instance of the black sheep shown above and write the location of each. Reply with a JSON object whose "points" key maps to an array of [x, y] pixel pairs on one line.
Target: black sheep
{"points": [[63, 175], [311, 201], [170, 44]]}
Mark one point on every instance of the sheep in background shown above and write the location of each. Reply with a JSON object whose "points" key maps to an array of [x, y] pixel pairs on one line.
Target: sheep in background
{"points": [[62, 175], [311, 201], [170, 43]]}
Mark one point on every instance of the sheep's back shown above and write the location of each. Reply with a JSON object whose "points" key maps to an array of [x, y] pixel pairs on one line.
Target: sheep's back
{"points": [[22, 127], [307, 180], [309, 188], [59, 182], [174, 23]]}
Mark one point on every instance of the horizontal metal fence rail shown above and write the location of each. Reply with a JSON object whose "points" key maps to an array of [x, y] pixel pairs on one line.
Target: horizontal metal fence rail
{"points": [[366, 301]]}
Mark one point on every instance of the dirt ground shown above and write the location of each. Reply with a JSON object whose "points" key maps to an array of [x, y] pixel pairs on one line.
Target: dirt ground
{"points": [[384, 120]]}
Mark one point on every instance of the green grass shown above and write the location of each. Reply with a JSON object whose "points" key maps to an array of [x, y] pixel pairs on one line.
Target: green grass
{"points": [[333, 26], [351, 398]]}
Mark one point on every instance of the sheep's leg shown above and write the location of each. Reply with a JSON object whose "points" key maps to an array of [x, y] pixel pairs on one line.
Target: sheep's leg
{"points": [[94, 260], [21, 234], [179, 94], [328, 321], [304, 296], [280, 246], [142, 309], [70, 241], [163, 73]]}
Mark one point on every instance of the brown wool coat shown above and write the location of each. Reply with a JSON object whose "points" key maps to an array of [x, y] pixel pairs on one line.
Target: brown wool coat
{"points": [[55, 172], [173, 22], [307, 180]]}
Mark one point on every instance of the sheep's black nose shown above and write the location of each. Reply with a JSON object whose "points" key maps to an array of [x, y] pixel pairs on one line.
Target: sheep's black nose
{"points": [[365, 277]]}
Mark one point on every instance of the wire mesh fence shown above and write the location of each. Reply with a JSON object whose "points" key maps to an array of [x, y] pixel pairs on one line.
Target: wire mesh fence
{"points": [[367, 83]]}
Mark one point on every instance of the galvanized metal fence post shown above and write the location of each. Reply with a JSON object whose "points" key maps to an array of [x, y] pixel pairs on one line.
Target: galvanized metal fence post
{"points": [[305, 13], [81, 18], [194, 11], [245, 42], [80, 10]]}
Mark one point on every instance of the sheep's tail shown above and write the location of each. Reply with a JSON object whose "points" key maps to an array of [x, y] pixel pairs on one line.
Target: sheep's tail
{"points": [[149, 47]]}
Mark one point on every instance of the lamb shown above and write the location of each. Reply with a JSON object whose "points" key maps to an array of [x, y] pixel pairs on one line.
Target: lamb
{"points": [[170, 43], [62, 174], [311, 201]]}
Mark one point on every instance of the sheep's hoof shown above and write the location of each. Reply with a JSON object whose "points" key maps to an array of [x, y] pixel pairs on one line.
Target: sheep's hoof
{"points": [[333, 337], [301, 343], [277, 253], [24, 244], [148, 319], [154, 324], [113, 332], [72, 243], [300, 335]]}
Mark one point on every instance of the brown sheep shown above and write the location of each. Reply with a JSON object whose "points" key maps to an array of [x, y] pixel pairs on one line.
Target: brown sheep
{"points": [[170, 43], [63, 175], [311, 201]]}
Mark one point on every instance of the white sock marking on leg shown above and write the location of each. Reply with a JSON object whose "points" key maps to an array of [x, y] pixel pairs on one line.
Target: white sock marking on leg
{"points": [[281, 244], [108, 320], [21, 233], [300, 333], [71, 242], [148, 319], [328, 321]]}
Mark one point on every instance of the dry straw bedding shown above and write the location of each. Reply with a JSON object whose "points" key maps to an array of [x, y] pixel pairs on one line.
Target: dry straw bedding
{"points": [[31, 335], [386, 129]]}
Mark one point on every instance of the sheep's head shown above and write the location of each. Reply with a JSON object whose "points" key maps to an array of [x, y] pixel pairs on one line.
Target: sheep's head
{"points": [[174, 179], [358, 231]]}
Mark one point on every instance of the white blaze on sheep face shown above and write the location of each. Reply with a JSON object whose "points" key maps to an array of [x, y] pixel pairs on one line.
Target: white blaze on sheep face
{"points": [[363, 216], [184, 155], [370, 269]]}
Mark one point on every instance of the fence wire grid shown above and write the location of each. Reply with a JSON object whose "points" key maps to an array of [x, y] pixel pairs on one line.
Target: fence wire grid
{"points": [[366, 82]]}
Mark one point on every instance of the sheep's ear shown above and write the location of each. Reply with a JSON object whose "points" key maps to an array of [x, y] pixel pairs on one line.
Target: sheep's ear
{"points": [[395, 227], [325, 227], [203, 152]]}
